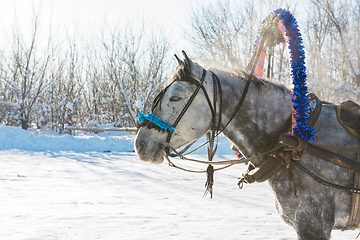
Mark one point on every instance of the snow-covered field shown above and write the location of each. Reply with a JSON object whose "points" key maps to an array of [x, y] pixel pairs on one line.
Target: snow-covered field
{"points": [[65, 187]]}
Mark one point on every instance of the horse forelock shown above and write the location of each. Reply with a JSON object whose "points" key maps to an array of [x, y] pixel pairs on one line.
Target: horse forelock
{"points": [[184, 72]]}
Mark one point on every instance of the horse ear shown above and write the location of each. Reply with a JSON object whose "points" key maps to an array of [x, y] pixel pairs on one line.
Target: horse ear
{"points": [[187, 60], [178, 60]]}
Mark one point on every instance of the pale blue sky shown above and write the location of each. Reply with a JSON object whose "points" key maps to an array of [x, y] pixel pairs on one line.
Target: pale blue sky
{"points": [[89, 15]]}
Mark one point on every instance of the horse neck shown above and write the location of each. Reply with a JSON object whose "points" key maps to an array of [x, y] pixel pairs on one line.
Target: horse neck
{"points": [[263, 114]]}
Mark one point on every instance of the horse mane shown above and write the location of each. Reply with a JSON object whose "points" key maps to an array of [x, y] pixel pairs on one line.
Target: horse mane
{"points": [[261, 84]]}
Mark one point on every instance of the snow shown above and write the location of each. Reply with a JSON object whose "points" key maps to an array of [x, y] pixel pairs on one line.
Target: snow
{"points": [[139, 105], [66, 187], [70, 106]]}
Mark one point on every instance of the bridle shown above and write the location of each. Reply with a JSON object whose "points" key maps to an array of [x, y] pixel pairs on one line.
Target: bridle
{"points": [[200, 85], [215, 130], [215, 126]]}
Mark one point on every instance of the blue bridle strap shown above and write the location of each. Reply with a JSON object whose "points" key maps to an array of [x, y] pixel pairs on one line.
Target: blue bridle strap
{"points": [[156, 120]]}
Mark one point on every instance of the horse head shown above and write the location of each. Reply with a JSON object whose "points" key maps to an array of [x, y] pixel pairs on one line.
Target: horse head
{"points": [[150, 143]]}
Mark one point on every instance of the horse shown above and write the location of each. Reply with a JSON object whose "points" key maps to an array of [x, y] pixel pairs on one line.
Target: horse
{"points": [[315, 210]]}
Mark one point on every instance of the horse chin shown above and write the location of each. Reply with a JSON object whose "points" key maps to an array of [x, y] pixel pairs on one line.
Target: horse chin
{"points": [[157, 159], [158, 156]]}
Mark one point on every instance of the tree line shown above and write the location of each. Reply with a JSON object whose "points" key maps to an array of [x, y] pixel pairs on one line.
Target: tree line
{"points": [[103, 78]]}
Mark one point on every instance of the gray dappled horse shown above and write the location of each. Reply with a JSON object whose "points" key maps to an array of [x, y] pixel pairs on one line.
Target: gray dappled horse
{"points": [[317, 209]]}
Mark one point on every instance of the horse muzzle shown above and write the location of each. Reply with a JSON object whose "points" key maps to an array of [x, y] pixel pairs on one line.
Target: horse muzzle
{"points": [[150, 151]]}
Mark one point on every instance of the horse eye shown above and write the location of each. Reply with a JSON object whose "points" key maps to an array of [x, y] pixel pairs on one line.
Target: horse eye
{"points": [[175, 99]]}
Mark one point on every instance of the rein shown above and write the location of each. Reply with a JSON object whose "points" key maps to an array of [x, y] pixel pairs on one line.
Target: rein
{"points": [[151, 121], [226, 162]]}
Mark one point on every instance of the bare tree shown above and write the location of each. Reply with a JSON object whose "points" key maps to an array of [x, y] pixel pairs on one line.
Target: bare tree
{"points": [[29, 73], [102, 78], [224, 32], [217, 33], [335, 37], [135, 65]]}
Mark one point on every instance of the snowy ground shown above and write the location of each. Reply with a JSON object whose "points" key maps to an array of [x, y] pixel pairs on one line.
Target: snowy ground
{"points": [[65, 187]]}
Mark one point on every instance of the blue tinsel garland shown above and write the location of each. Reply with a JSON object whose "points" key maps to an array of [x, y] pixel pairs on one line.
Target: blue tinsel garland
{"points": [[298, 75], [156, 120], [297, 71]]}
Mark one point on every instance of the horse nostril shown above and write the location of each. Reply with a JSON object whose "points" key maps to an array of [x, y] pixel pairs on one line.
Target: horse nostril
{"points": [[140, 147]]}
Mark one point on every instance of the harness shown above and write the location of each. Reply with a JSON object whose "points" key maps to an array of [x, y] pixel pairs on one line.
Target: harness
{"points": [[275, 157], [277, 154], [274, 161]]}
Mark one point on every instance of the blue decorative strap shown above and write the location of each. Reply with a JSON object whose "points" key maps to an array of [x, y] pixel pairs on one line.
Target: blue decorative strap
{"points": [[156, 120]]}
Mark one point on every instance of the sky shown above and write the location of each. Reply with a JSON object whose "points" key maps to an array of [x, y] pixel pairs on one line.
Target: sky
{"points": [[88, 16]]}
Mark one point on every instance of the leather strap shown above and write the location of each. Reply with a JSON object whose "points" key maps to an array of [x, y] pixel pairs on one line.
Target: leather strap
{"points": [[271, 164], [269, 168], [315, 106], [199, 85], [340, 120], [354, 219]]}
